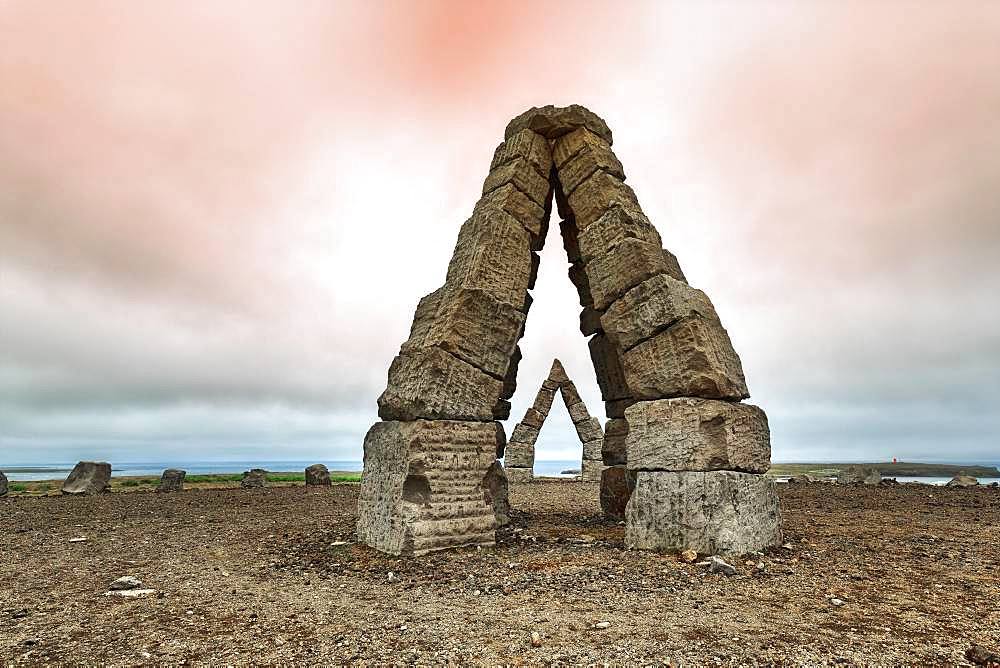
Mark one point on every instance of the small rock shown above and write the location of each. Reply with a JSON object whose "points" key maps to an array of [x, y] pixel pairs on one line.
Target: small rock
{"points": [[172, 480], [126, 582], [393, 578], [78, 540], [688, 556], [536, 639], [134, 593], [602, 625], [837, 602], [962, 481], [718, 565]]}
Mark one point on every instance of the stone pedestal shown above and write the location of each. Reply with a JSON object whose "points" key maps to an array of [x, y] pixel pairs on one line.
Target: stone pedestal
{"points": [[712, 512], [172, 480]]}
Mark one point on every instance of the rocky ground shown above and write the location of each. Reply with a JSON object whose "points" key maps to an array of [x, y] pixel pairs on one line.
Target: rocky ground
{"points": [[269, 576]]}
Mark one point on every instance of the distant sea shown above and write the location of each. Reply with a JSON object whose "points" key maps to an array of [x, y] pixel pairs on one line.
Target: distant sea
{"points": [[23, 472]]}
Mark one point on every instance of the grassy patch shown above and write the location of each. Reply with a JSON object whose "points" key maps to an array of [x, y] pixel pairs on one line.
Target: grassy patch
{"points": [[18, 488]]}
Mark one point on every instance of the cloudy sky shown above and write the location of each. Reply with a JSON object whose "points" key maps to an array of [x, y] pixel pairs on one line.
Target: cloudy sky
{"points": [[216, 218]]}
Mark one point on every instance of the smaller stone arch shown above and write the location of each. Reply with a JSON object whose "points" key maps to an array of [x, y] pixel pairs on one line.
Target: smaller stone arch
{"points": [[519, 455]]}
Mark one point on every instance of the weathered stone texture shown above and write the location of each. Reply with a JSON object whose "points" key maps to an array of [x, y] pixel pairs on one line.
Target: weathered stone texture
{"points": [[697, 435], [501, 410], [557, 373], [519, 454], [523, 176], [613, 449], [592, 449], [598, 193], [519, 474], [617, 484], [510, 200], [551, 122], [495, 493], [592, 156], [693, 358], [652, 306], [571, 244], [574, 143], [88, 478], [616, 409], [857, 475], [493, 254], [608, 368], [172, 480], [569, 393], [422, 487], [578, 277], [510, 379], [631, 262], [543, 400], [590, 430], [613, 227], [713, 512], [533, 418], [254, 479], [434, 385], [3, 484], [591, 470], [578, 412], [524, 433], [590, 321], [318, 475], [526, 144]]}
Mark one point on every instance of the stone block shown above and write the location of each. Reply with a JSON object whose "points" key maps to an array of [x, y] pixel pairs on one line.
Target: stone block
{"points": [[543, 400], [598, 193], [592, 450], [254, 479], [578, 412], [523, 176], [613, 449], [431, 384], [495, 493], [519, 455], [693, 358], [673, 266], [711, 512], [571, 244], [557, 373], [578, 277], [569, 393], [590, 430], [423, 486], [501, 440], [617, 484], [652, 306], [616, 409], [591, 470], [524, 433], [591, 157], [631, 262], [526, 144], [501, 410], [615, 226], [576, 142], [519, 474], [172, 480], [551, 122], [697, 435], [87, 479], [509, 199], [590, 321], [533, 418], [493, 254], [510, 378], [608, 368], [3, 484], [317, 475]]}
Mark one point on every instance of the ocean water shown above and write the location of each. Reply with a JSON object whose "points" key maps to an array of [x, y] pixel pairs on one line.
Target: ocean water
{"points": [[59, 471]]}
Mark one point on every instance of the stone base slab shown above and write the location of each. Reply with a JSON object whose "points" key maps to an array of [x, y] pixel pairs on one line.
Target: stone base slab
{"points": [[711, 512]]}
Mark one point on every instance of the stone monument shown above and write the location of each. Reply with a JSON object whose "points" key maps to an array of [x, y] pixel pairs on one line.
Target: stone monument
{"points": [[684, 457], [519, 455], [172, 480], [87, 479]]}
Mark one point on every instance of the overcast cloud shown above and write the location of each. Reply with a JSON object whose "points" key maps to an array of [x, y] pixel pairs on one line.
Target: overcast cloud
{"points": [[216, 219]]}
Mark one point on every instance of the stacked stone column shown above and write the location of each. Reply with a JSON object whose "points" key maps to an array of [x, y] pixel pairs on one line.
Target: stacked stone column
{"points": [[520, 453], [431, 476]]}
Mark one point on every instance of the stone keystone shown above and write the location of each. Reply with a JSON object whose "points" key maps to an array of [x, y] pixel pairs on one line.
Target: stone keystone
{"points": [[551, 122]]}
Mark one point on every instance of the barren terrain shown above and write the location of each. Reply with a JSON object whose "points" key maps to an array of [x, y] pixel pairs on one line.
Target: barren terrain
{"points": [[261, 576]]}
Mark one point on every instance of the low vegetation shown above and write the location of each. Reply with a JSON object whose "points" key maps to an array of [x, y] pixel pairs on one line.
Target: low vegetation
{"points": [[203, 481]]}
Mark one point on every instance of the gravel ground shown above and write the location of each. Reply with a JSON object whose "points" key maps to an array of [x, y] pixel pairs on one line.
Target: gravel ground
{"points": [[260, 576]]}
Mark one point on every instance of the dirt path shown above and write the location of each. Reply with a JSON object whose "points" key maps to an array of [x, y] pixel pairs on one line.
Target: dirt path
{"points": [[255, 577]]}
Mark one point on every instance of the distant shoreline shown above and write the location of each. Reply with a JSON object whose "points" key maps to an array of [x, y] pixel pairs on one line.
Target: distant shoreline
{"points": [[889, 469]]}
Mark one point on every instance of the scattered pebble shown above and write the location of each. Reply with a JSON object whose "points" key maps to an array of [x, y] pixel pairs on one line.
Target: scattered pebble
{"points": [[78, 540], [602, 625], [719, 565], [126, 582], [688, 556], [837, 602], [393, 578], [536, 639]]}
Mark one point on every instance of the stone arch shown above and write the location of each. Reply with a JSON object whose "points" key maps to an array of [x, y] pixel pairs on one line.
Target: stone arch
{"points": [[664, 363], [519, 455]]}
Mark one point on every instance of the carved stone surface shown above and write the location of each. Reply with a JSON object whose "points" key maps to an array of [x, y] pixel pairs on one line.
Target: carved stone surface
{"points": [[533, 418], [317, 475], [592, 449], [608, 368], [613, 449], [591, 470], [697, 435], [493, 254], [524, 144], [519, 454], [578, 412], [590, 430], [509, 199], [254, 479], [433, 385], [596, 194], [693, 358], [711, 512], [578, 141], [519, 474], [569, 393], [523, 176], [422, 487], [557, 373], [87, 479], [543, 400], [524, 433], [617, 484], [613, 227], [510, 379], [495, 493], [651, 307], [592, 155], [172, 480], [551, 122], [630, 263]]}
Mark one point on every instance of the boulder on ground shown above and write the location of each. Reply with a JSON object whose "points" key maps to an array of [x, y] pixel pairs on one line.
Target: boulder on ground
{"points": [[3, 484], [495, 493], [172, 480], [856, 475], [254, 478], [712, 512], [318, 475], [962, 480], [88, 478]]}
